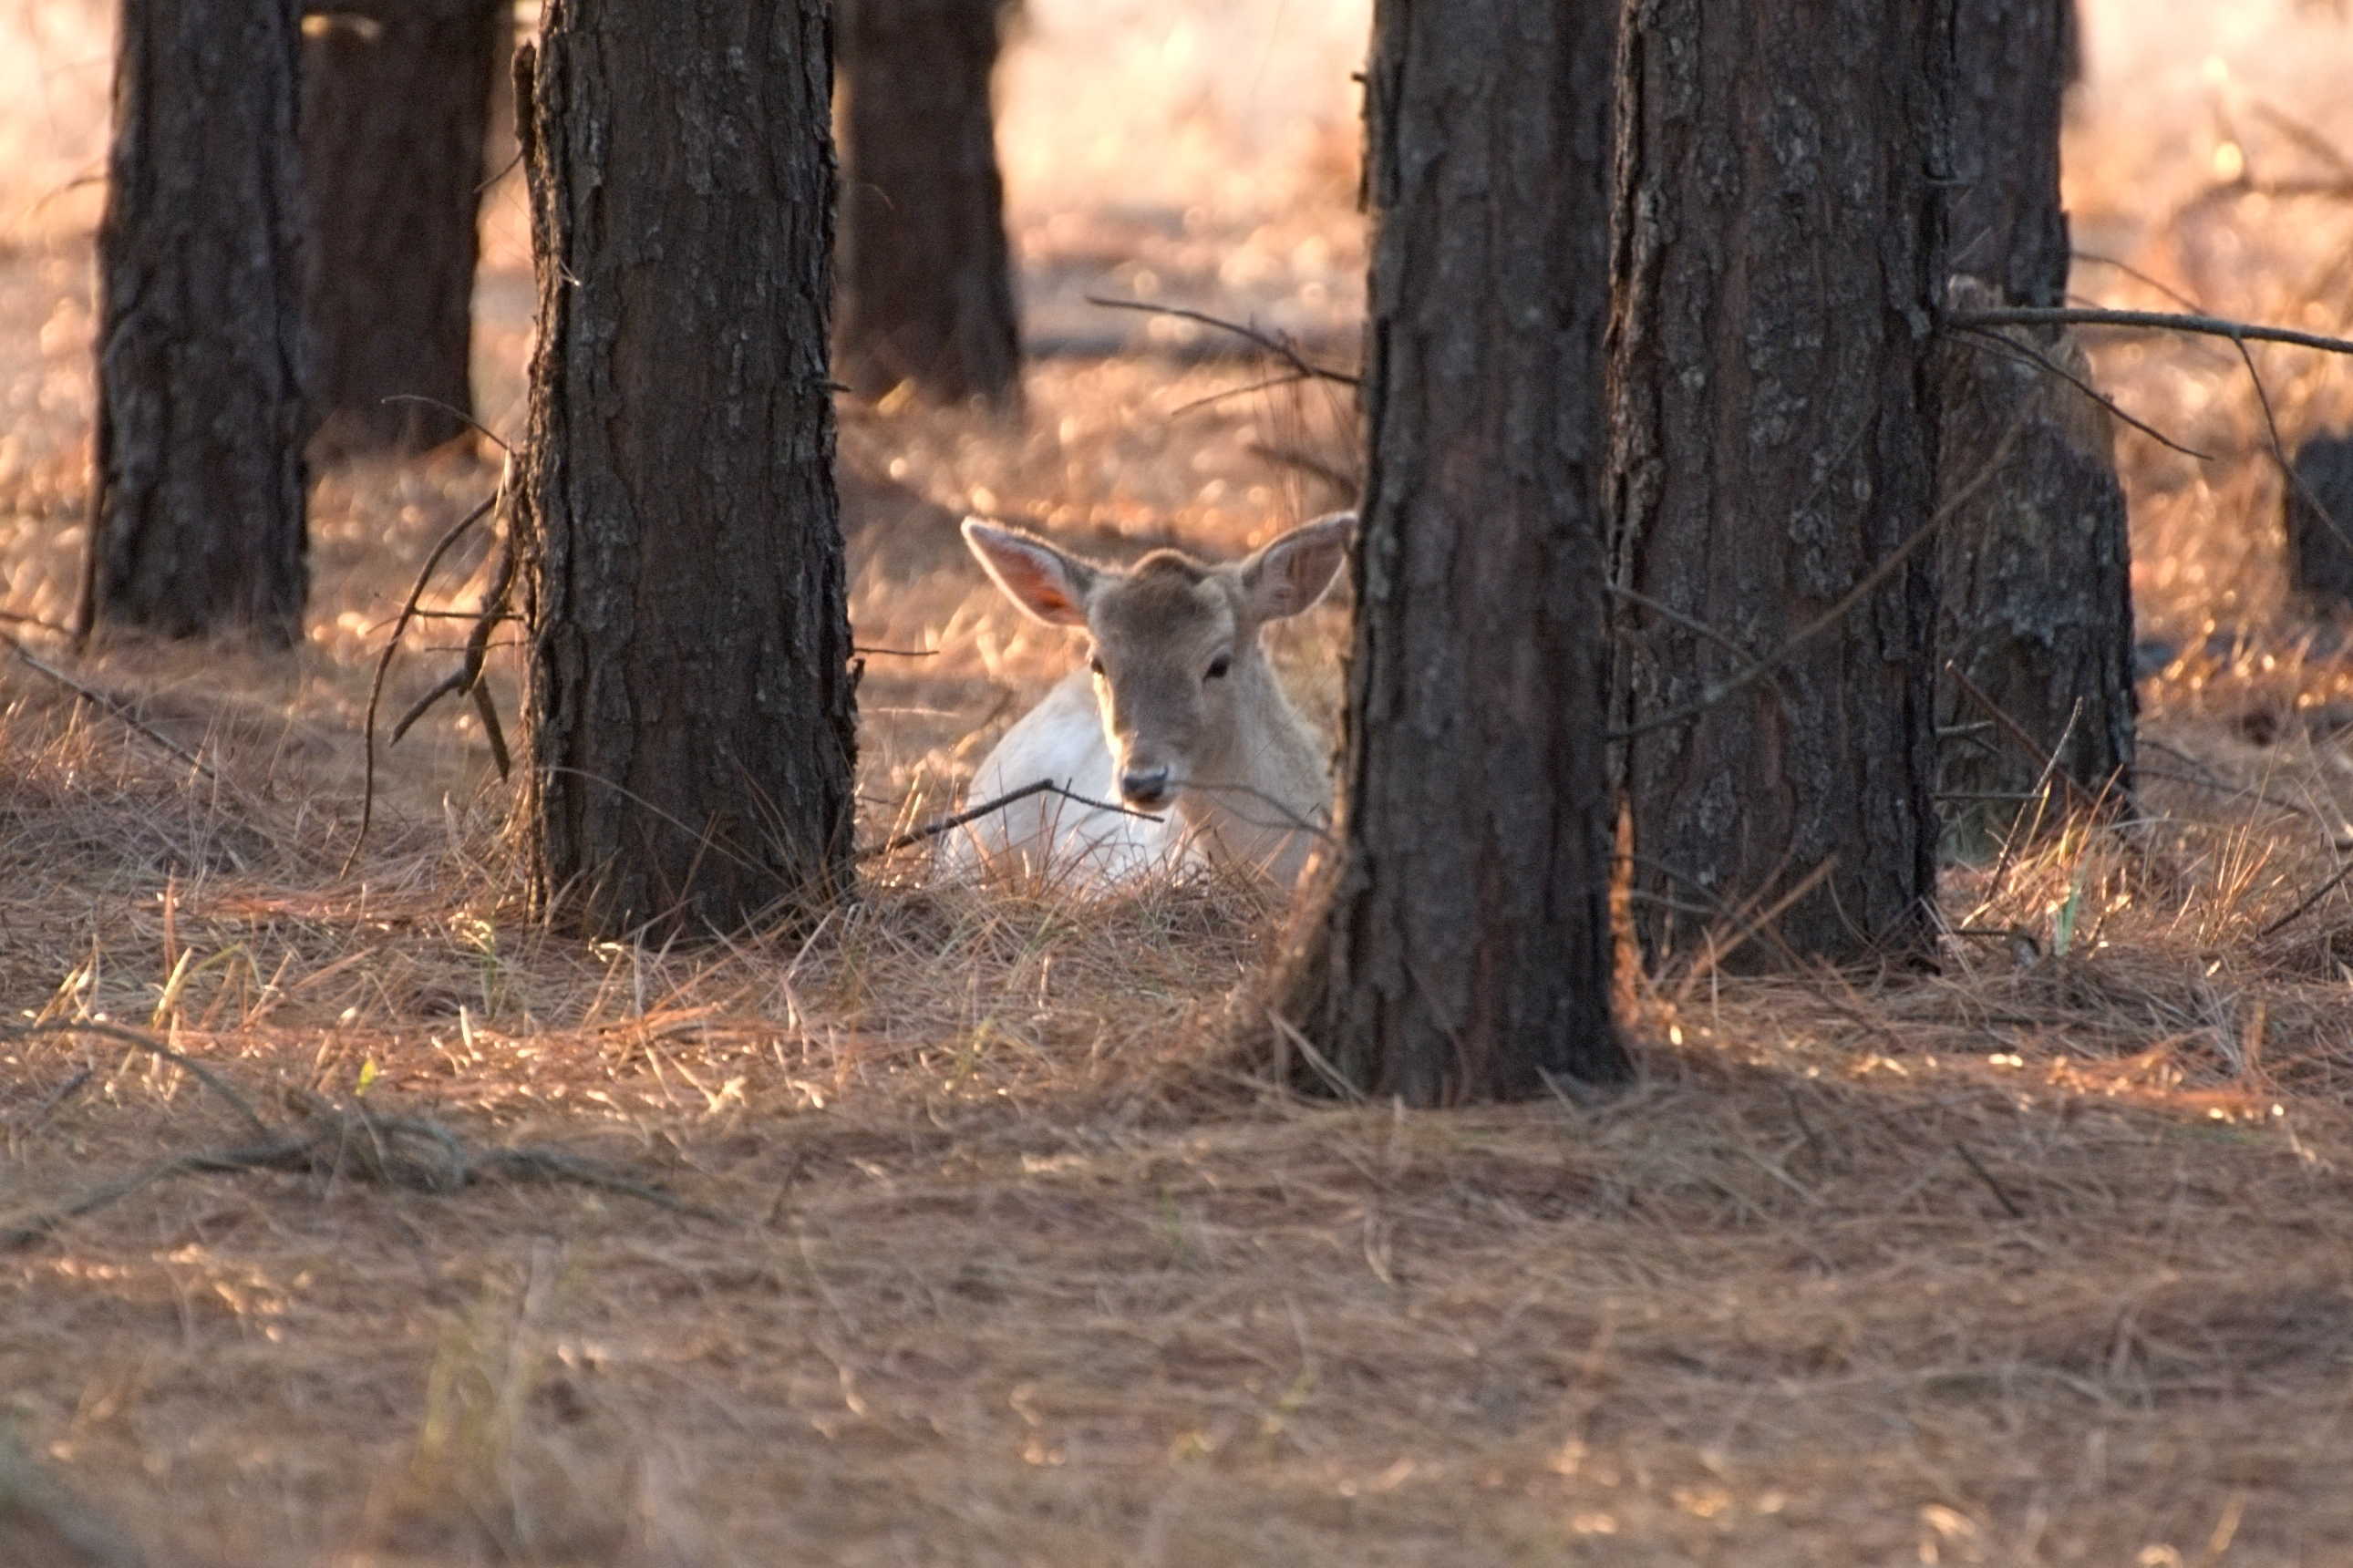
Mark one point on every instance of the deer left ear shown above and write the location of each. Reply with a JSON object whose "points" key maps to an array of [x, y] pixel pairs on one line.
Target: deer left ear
{"points": [[1049, 584], [1291, 573]]}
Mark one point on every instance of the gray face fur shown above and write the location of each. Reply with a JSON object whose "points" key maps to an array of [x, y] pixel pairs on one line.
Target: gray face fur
{"points": [[1178, 672]]}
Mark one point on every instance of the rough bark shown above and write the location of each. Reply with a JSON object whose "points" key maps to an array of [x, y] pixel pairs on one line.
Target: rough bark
{"points": [[2035, 558], [2009, 84], [2035, 628], [927, 274], [690, 706], [1773, 446], [395, 99], [1463, 949], [2318, 510], [197, 502]]}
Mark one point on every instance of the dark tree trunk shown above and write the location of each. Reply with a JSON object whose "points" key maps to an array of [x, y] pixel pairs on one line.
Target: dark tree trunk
{"points": [[196, 504], [2035, 629], [689, 708], [2318, 508], [2009, 86], [396, 96], [2035, 622], [927, 276], [1774, 449], [1465, 952]]}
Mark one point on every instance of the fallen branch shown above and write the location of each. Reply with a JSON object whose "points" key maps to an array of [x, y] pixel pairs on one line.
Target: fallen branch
{"points": [[2310, 902], [1982, 1174], [112, 707], [332, 1140]]}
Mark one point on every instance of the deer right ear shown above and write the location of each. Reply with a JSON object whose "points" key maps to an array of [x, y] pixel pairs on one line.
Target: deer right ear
{"points": [[1049, 585]]}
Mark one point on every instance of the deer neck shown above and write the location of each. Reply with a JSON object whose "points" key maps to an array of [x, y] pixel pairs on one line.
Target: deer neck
{"points": [[1250, 806]]}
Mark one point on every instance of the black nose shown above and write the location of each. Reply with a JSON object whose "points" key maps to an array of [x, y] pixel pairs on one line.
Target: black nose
{"points": [[1144, 786]]}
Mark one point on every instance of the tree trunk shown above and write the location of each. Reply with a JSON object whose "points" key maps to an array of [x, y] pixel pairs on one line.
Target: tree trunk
{"points": [[2035, 629], [1773, 458], [2009, 87], [1465, 952], [197, 502], [690, 709], [2318, 518], [396, 96], [927, 275], [2035, 623]]}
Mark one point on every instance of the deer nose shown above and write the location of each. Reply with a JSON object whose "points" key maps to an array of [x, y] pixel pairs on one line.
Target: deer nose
{"points": [[1145, 787]]}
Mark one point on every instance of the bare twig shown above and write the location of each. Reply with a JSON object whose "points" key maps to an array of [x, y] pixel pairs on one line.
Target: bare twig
{"points": [[1286, 817], [2047, 761], [1289, 378], [392, 644], [2308, 902], [1984, 338], [1970, 1159], [458, 413], [40, 1112], [2157, 320], [467, 679], [1308, 369], [2129, 271], [973, 813], [112, 707], [2279, 450], [155, 1047]]}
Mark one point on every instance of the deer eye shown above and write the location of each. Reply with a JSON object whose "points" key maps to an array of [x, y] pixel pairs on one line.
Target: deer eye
{"points": [[1220, 666]]}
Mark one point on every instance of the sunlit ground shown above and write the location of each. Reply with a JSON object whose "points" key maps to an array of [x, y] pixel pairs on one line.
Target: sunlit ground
{"points": [[2045, 1259]]}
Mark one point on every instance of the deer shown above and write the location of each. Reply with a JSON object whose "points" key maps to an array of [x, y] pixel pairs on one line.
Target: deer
{"points": [[1176, 722]]}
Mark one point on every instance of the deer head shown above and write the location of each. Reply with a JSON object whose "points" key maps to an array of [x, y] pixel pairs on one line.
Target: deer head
{"points": [[1187, 700]]}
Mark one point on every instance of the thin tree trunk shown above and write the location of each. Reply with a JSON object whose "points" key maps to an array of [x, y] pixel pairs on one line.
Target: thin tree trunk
{"points": [[2317, 516], [197, 504], [1464, 949], [2035, 631], [1774, 446], [927, 274], [396, 97], [690, 709]]}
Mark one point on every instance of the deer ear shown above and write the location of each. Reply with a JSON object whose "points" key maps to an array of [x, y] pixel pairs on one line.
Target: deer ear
{"points": [[1291, 573], [1049, 585]]}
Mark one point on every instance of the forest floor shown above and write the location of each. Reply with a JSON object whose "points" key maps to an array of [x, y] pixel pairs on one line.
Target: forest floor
{"points": [[996, 1255]]}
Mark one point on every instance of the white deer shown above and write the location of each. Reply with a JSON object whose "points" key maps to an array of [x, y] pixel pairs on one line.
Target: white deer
{"points": [[1176, 712]]}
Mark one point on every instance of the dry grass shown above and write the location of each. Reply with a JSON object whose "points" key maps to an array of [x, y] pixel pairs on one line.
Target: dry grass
{"points": [[2046, 1258]]}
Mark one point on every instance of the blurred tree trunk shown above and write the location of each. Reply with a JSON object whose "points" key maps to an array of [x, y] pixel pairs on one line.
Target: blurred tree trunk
{"points": [[689, 708], [2317, 517], [395, 99], [1463, 952], [1774, 446], [2035, 629], [197, 502], [927, 274]]}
